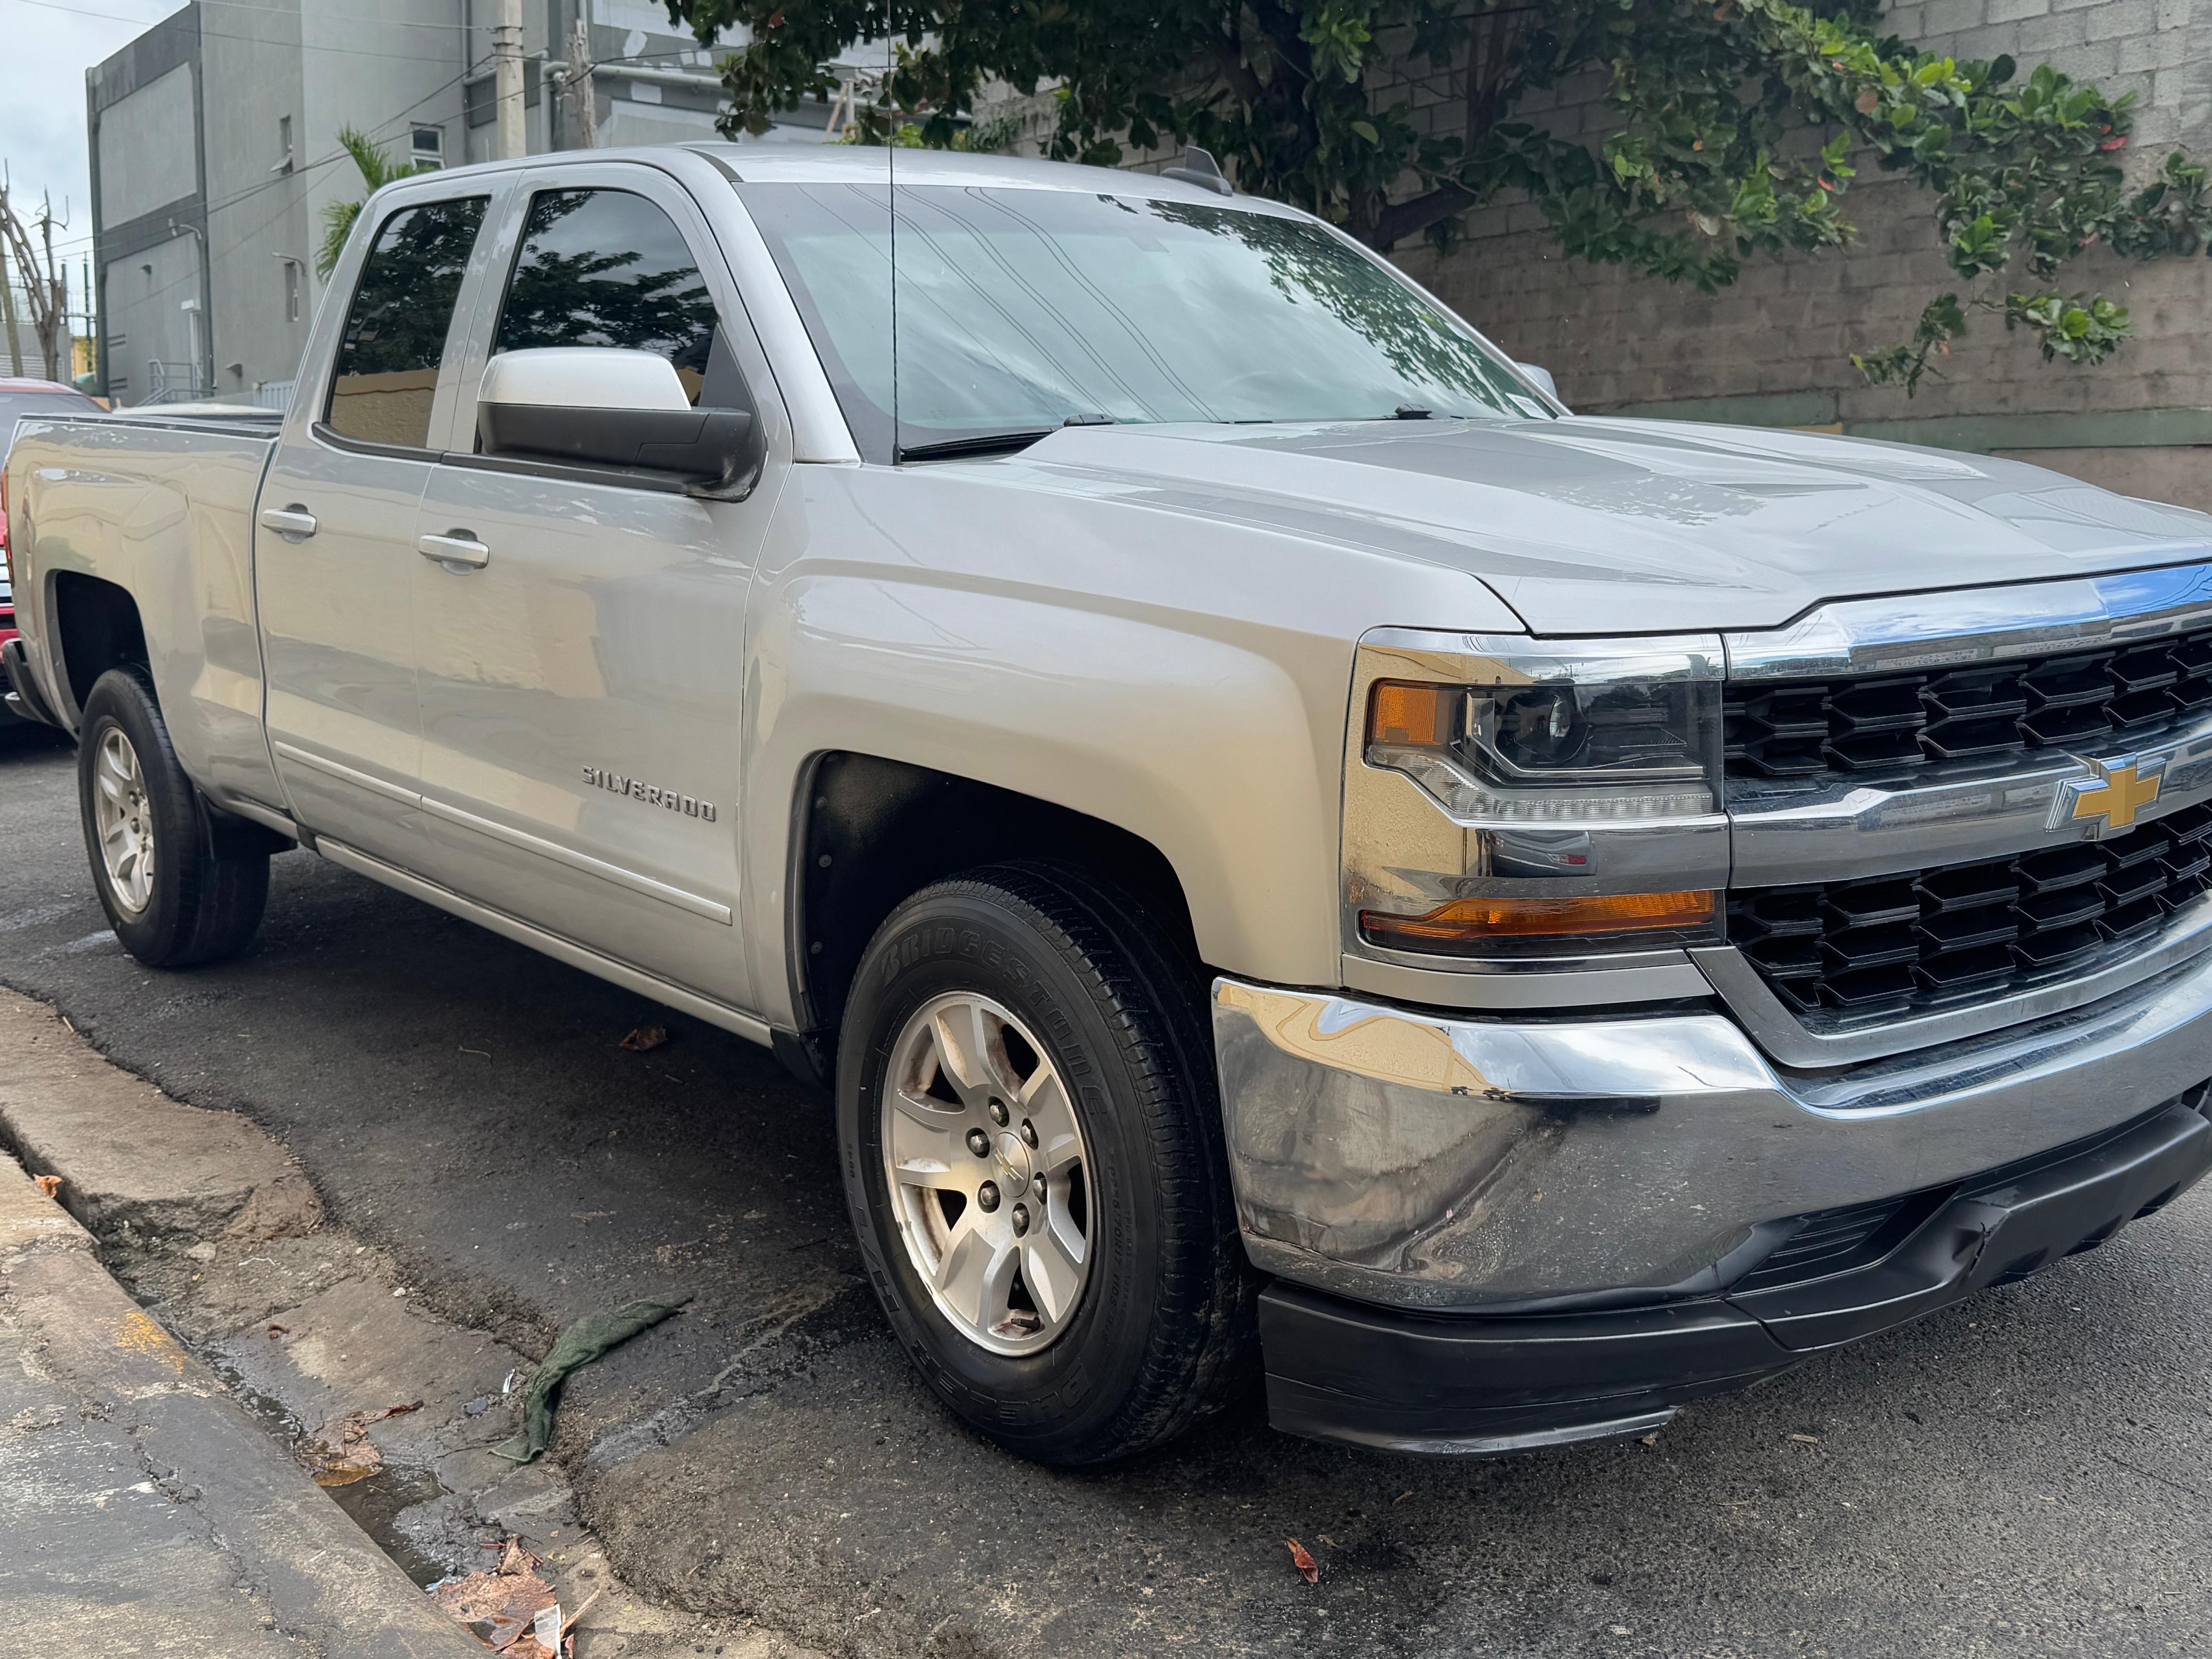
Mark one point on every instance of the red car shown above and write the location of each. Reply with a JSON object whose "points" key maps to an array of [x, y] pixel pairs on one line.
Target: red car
{"points": [[25, 397]]}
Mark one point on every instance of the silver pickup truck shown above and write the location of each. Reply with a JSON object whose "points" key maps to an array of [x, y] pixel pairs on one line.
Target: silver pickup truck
{"points": [[1284, 842]]}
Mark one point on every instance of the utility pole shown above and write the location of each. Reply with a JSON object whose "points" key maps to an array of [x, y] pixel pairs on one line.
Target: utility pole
{"points": [[581, 97], [507, 61]]}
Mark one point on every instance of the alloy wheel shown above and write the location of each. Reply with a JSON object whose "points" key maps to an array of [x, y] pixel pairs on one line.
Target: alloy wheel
{"points": [[989, 1173], [124, 820]]}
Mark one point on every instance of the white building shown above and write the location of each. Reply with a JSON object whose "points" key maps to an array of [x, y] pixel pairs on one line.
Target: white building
{"points": [[214, 143]]}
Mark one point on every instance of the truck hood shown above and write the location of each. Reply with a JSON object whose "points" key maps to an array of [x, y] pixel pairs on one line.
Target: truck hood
{"points": [[1587, 526]]}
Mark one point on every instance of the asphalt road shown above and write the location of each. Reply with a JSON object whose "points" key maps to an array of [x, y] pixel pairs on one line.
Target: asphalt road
{"points": [[2029, 1474]]}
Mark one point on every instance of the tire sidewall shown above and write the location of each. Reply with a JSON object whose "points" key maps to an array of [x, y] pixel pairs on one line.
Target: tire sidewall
{"points": [[121, 701], [978, 942]]}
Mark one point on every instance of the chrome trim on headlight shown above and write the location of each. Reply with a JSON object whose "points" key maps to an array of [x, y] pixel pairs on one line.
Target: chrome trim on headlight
{"points": [[1415, 835], [1594, 982]]}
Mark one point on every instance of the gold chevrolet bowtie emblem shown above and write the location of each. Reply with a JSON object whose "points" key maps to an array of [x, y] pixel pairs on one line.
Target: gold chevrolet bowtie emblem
{"points": [[2116, 795]]}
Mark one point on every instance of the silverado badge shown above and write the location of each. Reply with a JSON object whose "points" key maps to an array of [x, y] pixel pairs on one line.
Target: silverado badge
{"points": [[651, 793], [2112, 798]]}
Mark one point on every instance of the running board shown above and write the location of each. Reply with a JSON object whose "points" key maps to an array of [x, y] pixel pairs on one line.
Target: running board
{"points": [[552, 944]]}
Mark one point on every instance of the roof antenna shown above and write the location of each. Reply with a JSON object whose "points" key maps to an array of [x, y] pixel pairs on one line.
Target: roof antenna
{"points": [[1199, 167]]}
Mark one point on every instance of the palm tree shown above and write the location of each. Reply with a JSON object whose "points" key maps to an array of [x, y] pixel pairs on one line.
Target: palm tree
{"points": [[377, 170]]}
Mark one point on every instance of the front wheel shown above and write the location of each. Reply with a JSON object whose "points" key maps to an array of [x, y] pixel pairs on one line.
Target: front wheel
{"points": [[170, 900], [1032, 1155]]}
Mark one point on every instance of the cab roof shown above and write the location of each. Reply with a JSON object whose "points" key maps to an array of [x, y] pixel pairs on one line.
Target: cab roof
{"points": [[855, 164]]}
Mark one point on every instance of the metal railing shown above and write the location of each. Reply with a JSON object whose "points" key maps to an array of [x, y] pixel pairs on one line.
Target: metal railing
{"points": [[171, 383]]}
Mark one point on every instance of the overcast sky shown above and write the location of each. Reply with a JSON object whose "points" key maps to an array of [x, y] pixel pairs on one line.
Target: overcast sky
{"points": [[45, 47]]}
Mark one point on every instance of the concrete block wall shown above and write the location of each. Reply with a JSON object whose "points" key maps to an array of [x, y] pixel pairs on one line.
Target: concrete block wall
{"points": [[1775, 349]]}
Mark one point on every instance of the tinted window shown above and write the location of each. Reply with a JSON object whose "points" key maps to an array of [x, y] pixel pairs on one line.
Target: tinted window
{"points": [[387, 367], [605, 268]]}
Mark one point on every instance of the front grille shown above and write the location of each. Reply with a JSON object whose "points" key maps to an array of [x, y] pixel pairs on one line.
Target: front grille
{"points": [[1893, 946], [1801, 728]]}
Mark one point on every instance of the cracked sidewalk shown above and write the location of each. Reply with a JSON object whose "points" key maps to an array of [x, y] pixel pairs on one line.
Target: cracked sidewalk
{"points": [[142, 1509]]}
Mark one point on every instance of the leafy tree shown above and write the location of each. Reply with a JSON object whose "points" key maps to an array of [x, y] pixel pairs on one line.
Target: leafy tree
{"points": [[1737, 129], [377, 170]]}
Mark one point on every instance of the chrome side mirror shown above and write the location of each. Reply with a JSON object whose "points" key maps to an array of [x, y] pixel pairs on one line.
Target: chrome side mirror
{"points": [[606, 406]]}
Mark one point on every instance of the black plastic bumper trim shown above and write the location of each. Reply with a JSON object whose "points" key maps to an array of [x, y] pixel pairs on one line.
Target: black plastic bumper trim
{"points": [[22, 697], [1482, 1385]]}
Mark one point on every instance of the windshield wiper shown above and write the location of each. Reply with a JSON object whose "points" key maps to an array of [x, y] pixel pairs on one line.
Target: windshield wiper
{"points": [[982, 443], [992, 443]]}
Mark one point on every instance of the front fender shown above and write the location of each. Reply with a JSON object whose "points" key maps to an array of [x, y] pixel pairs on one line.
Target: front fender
{"points": [[1185, 681]]}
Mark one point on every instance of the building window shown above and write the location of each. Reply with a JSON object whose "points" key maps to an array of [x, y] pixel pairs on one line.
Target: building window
{"points": [[283, 145], [291, 290], [429, 147]]}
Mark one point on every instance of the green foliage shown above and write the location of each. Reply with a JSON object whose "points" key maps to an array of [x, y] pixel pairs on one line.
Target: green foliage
{"points": [[1737, 130], [1942, 321], [377, 170]]}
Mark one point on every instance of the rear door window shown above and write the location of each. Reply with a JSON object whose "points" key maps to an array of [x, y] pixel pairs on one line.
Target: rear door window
{"points": [[609, 268], [395, 333]]}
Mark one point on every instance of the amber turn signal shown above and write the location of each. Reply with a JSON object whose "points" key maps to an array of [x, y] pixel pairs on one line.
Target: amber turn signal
{"points": [[1465, 922], [1405, 715]]}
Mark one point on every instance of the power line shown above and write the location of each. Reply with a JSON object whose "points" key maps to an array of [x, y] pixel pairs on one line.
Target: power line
{"points": [[252, 40]]}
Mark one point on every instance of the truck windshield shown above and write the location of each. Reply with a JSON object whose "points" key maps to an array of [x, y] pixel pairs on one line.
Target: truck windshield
{"points": [[1020, 311]]}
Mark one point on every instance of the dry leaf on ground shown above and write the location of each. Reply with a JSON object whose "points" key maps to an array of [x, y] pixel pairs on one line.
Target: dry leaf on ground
{"points": [[50, 1185], [340, 1452], [1308, 1568], [499, 1608], [645, 1037]]}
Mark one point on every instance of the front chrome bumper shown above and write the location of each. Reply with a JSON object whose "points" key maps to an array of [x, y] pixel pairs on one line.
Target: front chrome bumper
{"points": [[1438, 1163]]}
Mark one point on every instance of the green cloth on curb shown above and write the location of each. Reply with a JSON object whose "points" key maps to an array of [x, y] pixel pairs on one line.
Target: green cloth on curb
{"points": [[580, 1344]]}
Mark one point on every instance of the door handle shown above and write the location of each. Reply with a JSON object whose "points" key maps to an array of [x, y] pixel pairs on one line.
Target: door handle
{"points": [[294, 523], [456, 547]]}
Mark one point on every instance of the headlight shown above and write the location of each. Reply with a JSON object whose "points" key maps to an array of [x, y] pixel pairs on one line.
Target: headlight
{"points": [[1507, 796]]}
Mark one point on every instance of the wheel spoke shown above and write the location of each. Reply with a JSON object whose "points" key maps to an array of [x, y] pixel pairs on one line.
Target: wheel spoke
{"points": [[975, 1274], [1054, 1280], [958, 1032], [923, 1112], [1044, 1102], [925, 1154]]}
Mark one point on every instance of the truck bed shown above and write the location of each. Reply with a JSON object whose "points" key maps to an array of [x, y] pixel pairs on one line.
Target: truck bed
{"points": [[159, 502]]}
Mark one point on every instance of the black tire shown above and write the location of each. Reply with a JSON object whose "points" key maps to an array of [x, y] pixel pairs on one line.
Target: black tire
{"points": [[1165, 1320], [200, 908]]}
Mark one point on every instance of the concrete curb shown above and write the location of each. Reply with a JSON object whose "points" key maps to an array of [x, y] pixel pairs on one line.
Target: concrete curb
{"points": [[136, 1160], [142, 1509]]}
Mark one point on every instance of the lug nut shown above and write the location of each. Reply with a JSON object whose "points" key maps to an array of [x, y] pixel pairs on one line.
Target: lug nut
{"points": [[1021, 1219], [1029, 1132], [987, 1197], [1036, 1185], [979, 1143], [998, 1111]]}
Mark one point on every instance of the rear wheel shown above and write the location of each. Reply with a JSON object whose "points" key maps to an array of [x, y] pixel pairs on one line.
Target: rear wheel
{"points": [[1032, 1153], [170, 900]]}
